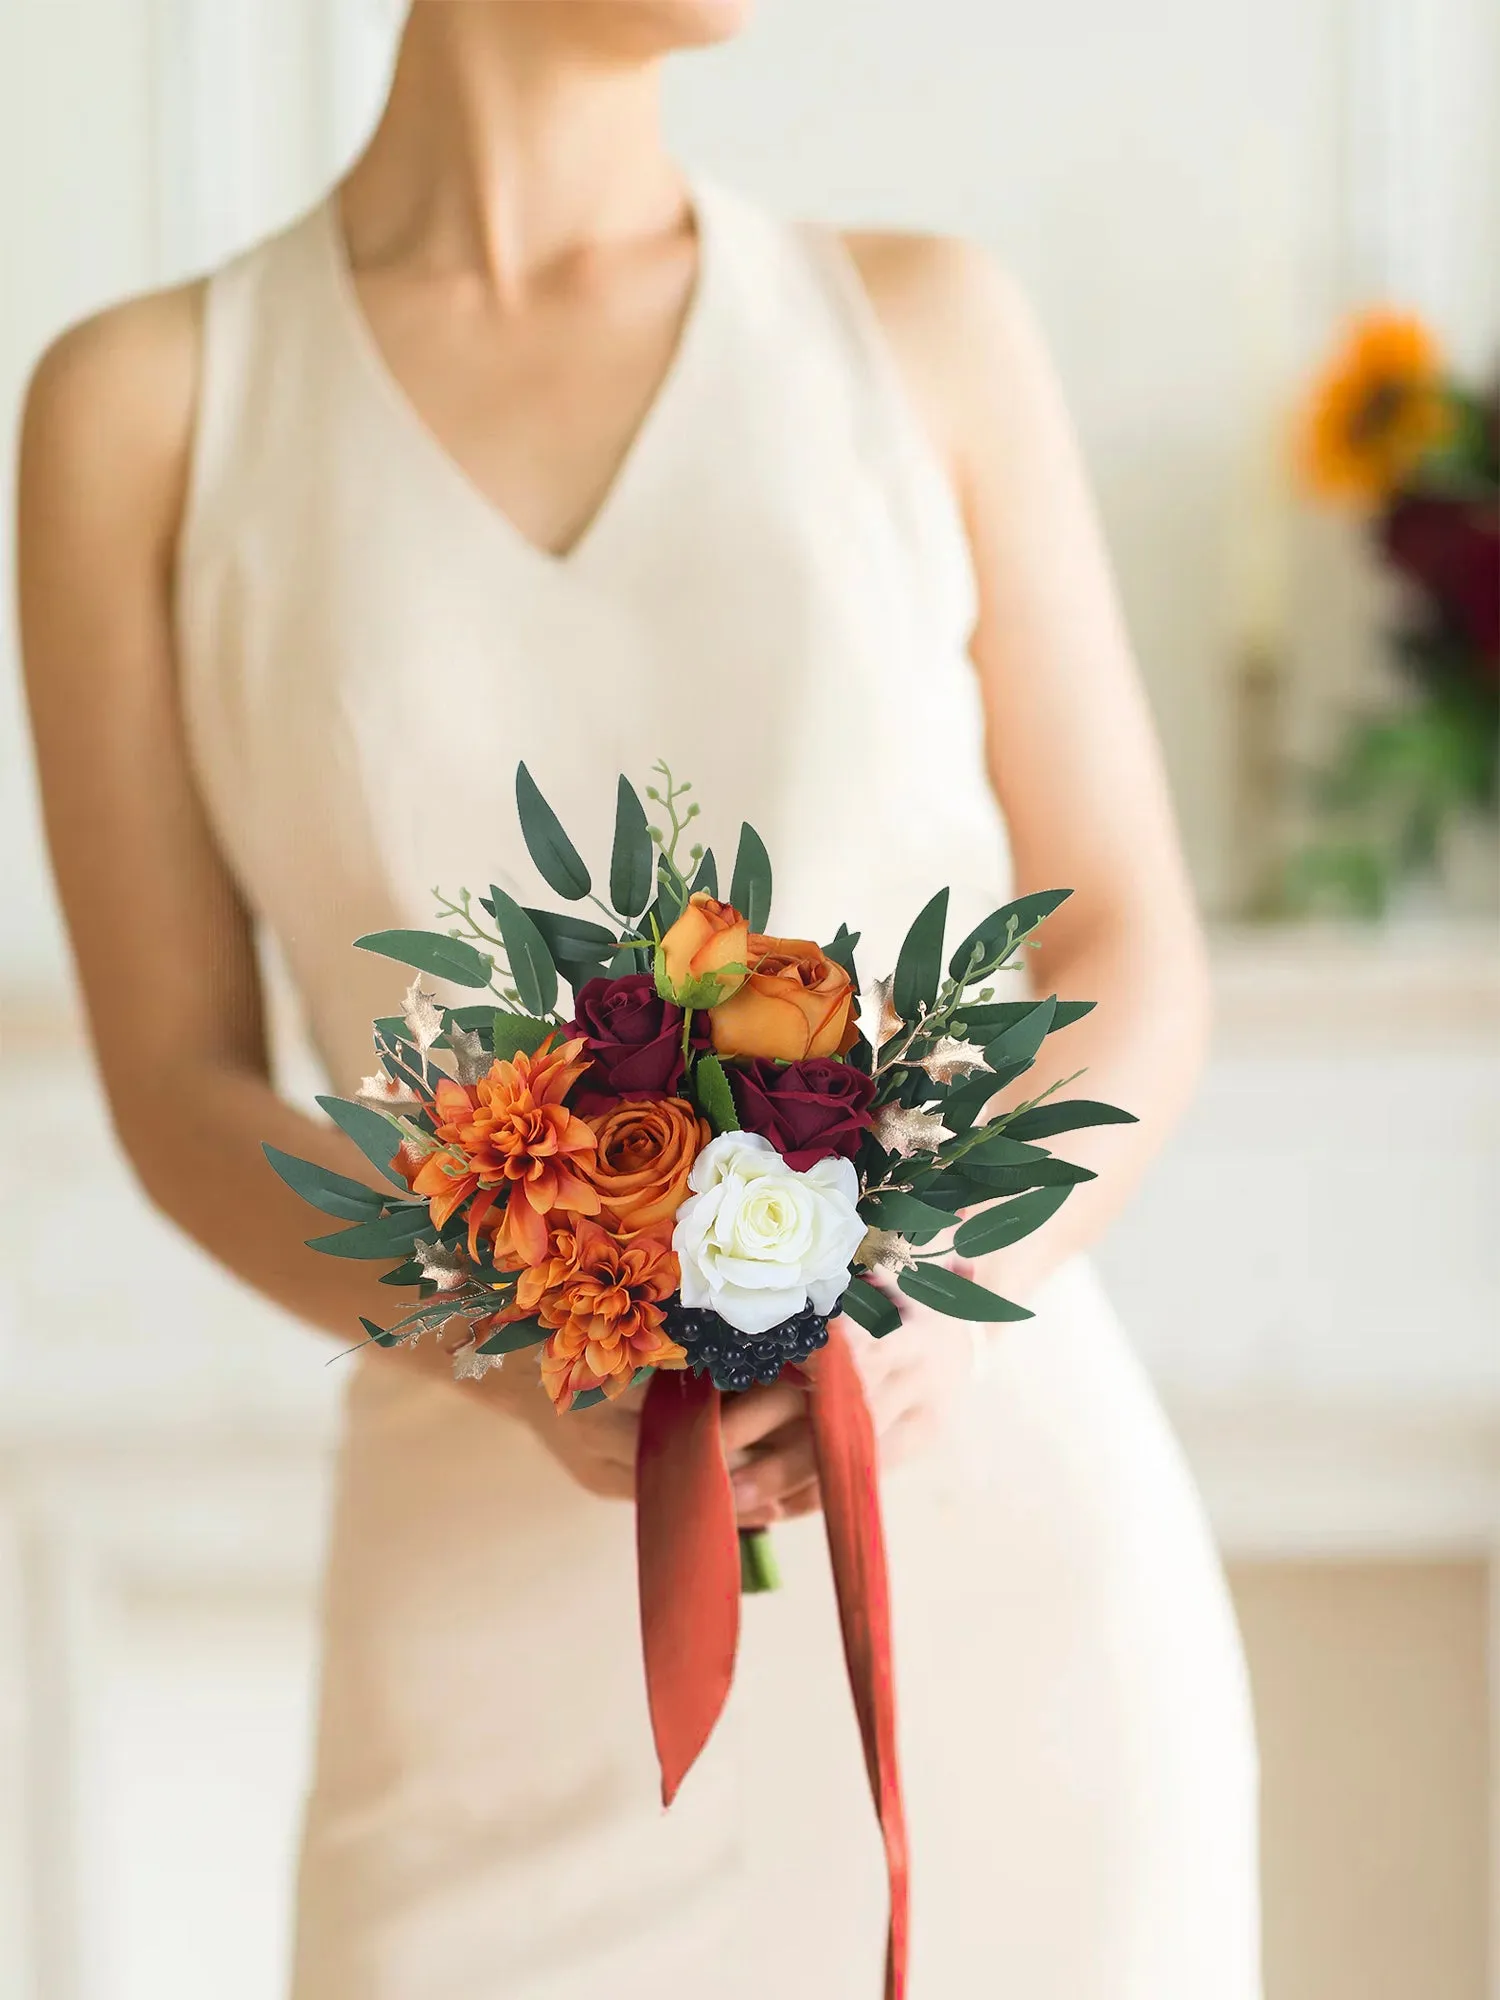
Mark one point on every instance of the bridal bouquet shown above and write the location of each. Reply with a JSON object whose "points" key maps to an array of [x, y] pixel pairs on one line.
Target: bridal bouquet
{"points": [[682, 1176]]}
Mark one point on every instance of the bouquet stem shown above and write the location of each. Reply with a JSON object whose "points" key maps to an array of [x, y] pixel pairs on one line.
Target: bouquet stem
{"points": [[758, 1566]]}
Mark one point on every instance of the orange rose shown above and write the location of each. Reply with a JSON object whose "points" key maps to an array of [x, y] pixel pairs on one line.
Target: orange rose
{"points": [[797, 1002], [645, 1150], [696, 960]]}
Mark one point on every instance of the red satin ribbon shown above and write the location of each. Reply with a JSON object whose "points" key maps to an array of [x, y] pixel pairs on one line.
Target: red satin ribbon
{"points": [[690, 1592]]}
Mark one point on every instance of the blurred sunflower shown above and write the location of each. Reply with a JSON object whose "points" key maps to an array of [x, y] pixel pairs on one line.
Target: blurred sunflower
{"points": [[1380, 406]]}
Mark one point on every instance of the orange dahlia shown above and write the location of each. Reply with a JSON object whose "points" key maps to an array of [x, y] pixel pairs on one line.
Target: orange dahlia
{"points": [[1379, 407], [601, 1301], [510, 1133]]}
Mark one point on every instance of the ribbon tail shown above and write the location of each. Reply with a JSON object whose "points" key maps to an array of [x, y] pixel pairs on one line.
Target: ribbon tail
{"points": [[687, 1546], [844, 1445]]}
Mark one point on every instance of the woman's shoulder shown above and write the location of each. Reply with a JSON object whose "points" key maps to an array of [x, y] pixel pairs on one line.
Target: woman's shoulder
{"points": [[111, 400], [959, 323]]}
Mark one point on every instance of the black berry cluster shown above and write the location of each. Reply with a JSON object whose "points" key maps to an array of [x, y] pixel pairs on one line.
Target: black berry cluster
{"points": [[735, 1360]]}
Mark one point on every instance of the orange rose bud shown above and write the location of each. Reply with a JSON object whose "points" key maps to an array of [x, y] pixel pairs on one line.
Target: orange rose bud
{"points": [[640, 1166], [702, 958], [796, 1002]]}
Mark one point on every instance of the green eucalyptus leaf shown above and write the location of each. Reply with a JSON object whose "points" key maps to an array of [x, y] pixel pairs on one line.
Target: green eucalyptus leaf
{"points": [[750, 885], [453, 959], [334, 1193], [558, 861], [906, 1214], [984, 1020], [998, 1227], [946, 1292], [996, 1149], [870, 1308], [580, 949], [1043, 1120], [587, 1399], [919, 967], [706, 881], [511, 1339], [378, 1333], [532, 972], [631, 869], [1020, 1041], [987, 1183], [387, 1236], [1012, 921], [373, 1133]]}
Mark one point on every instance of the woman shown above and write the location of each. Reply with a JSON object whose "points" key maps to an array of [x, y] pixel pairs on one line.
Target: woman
{"points": [[520, 446]]}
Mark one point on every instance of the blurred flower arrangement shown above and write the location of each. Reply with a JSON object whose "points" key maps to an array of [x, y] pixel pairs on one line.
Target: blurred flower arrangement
{"points": [[1390, 432]]}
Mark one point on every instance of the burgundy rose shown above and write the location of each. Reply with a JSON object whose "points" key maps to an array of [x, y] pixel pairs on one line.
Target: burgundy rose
{"points": [[1451, 548], [809, 1110], [634, 1040]]}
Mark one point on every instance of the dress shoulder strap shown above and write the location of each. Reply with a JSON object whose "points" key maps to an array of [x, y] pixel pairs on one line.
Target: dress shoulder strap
{"points": [[895, 437], [258, 347]]}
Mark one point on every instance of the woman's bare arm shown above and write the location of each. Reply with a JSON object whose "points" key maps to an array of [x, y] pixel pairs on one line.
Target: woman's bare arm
{"points": [[163, 942], [1072, 750]]}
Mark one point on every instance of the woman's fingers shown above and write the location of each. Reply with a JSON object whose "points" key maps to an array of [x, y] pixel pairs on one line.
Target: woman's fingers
{"points": [[784, 1462], [750, 1417]]}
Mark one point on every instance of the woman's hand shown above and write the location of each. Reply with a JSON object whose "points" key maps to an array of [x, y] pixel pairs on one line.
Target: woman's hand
{"points": [[596, 1447], [913, 1378]]}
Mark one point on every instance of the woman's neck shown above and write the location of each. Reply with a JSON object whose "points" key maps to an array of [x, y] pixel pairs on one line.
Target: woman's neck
{"points": [[507, 146]]}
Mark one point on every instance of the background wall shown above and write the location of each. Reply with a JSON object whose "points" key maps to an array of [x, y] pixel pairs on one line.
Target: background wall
{"points": [[1192, 190]]}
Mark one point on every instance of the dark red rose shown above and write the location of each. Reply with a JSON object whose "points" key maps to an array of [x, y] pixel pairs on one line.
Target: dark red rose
{"points": [[634, 1040], [1451, 547], [809, 1110]]}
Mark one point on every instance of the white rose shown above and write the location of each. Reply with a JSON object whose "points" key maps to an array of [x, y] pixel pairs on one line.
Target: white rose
{"points": [[758, 1242]]}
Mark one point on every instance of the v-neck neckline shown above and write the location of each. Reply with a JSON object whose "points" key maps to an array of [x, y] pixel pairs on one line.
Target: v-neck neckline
{"points": [[400, 406]]}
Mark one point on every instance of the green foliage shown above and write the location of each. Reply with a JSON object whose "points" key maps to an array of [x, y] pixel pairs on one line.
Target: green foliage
{"points": [[558, 861], [447, 958], [387, 1236], [1003, 929], [919, 966], [869, 1307], [511, 1339], [750, 885], [580, 949], [946, 1292], [334, 1193], [841, 950], [905, 1213], [1020, 1041], [632, 863], [1042, 1121], [714, 1097], [532, 972], [998, 1227], [983, 1021], [373, 1133], [517, 1034], [706, 881], [378, 1333]]}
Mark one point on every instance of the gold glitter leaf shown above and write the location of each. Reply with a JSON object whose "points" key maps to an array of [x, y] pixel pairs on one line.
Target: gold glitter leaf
{"points": [[948, 1060], [422, 1015], [906, 1132], [471, 1057], [885, 1250], [880, 1011]]}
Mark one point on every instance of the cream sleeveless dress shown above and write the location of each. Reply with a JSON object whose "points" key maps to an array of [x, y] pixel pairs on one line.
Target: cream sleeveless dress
{"points": [[776, 598]]}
